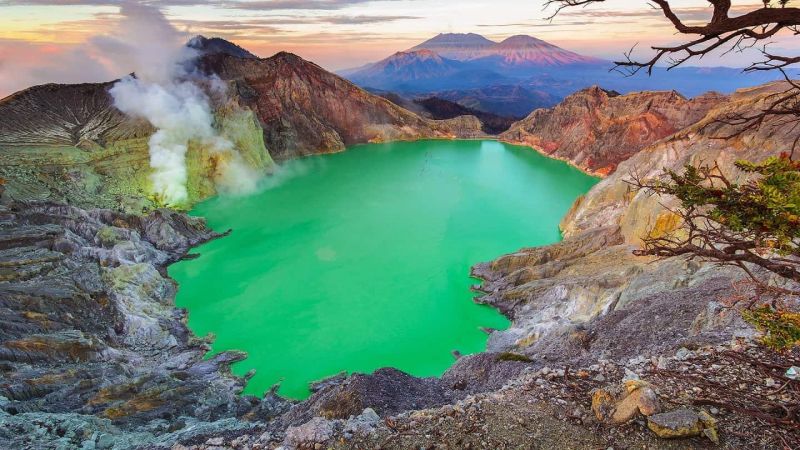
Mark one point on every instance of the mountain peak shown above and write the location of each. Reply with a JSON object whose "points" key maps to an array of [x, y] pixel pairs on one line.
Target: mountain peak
{"points": [[455, 41], [215, 45], [518, 50], [522, 40], [421, 54], [470, 38]]}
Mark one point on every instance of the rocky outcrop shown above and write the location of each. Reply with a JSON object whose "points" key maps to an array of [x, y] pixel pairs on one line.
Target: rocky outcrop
{"points": [[68, 143], [79, 115], [614, 202], [215, 45], [596, 130], [90, 338], [592, 273], [305, 110]]}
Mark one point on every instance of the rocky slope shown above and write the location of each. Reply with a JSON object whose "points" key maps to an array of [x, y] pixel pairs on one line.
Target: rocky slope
{"points": [[70, 144], [92, 349], [592, 272], [306, 110], [440, 108], [596, 129], [215, 45]]}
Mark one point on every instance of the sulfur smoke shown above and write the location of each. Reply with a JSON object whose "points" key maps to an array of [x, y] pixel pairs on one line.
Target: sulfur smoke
{"points": [[167, 91]]}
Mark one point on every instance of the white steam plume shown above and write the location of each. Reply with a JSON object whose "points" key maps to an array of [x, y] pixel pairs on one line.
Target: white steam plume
{"points": [[166, 91]]}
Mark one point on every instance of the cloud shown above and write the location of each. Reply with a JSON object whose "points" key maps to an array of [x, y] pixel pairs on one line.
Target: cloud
{"points": [[360, 20], [686, 13], [256, 5], [34, 64], [271, 25], [273, 5]]}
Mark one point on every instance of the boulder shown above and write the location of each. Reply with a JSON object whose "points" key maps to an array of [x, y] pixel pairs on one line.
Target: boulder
{"points": [[682, 423], [315, 431], [616, 405]]}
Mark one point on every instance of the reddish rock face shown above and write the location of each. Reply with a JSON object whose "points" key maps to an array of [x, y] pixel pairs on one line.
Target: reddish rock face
{"points": [[596, 130], [304, 109]]}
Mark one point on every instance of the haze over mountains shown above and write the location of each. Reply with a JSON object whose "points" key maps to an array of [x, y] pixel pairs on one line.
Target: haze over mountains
{"points": [[521, 73]]}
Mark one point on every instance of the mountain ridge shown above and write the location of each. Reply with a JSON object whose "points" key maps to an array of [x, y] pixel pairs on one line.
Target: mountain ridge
{"points": [[517, 50], [521, 73]]}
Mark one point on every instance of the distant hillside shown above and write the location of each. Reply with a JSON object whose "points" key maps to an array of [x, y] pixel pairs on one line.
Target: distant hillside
{"points": [[511, 100], [444, 109], [421, 70], [458, 46], [596, 129]]}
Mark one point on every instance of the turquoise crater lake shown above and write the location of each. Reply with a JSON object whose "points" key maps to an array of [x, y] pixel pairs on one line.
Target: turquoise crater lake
{"points": [[360, 260]]}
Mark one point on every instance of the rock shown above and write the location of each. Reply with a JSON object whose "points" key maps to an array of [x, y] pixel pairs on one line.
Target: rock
{"points": [[793, 373], [620, 404], [98, 333], [630, 375], [305, 110], [315, 431], [682, 423], [215, 441], [104, 441], [363, 423], [317, 386], [596, 131]]}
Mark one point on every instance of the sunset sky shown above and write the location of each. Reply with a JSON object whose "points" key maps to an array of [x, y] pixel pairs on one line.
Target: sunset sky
{"points": [[46, 40]]}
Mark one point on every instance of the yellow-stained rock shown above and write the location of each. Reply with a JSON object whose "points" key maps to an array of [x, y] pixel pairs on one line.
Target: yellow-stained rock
{"points": [[619, 405], [683, 423], [603, 404]]}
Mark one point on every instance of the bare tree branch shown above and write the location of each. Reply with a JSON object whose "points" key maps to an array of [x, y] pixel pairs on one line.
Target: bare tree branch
{"points": [[724, 33]]}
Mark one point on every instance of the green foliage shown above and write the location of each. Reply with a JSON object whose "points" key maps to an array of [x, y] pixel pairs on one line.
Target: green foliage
{"points": [[781, 328], [755, 223], [765, 209]]}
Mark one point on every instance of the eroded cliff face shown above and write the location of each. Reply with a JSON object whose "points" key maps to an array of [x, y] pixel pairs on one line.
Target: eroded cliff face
{"points": [[68, 143], [92, 348], [596, 130], [553, 292], [305, 110], [708, 140]]}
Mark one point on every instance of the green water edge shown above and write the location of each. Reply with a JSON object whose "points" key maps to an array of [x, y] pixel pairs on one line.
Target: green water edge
{"points": [[360, 260]]}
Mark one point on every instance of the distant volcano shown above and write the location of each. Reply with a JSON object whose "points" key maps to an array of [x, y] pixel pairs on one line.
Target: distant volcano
{"points": [[413, 68], [413, 65], [520, 50]]}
